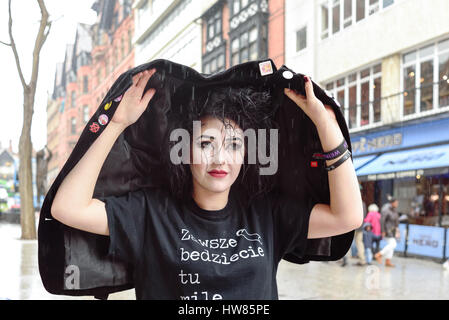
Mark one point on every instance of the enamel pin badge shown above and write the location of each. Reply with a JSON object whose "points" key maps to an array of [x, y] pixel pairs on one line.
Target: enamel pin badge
{"points": [[265, 68]]}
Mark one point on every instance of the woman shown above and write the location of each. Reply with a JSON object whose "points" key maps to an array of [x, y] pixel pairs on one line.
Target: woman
{"points": [[210, 245], [373, 217]]}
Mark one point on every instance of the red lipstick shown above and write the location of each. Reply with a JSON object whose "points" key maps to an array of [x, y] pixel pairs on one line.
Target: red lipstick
{"points": [[218, 173]]}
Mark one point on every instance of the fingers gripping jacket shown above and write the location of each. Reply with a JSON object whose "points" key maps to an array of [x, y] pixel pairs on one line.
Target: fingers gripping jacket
{"points": [[135, 162]]}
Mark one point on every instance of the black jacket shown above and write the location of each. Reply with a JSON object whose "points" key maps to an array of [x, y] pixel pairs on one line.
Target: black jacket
{"points": [[135, 162]]}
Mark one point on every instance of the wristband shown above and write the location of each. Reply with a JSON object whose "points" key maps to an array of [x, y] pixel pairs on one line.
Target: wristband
{"points": [[339, 162], [338, 151]]}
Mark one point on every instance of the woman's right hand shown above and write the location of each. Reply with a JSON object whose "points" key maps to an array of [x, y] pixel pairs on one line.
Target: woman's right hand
{"points": [[133, 104]]}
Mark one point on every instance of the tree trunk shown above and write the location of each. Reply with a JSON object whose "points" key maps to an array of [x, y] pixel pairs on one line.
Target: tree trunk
{"points": [[27, 214]]}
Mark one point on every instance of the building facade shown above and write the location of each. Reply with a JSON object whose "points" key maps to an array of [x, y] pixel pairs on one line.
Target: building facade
{"points": [[390, 75], [169, 30], [99, 54], [237, 31]]}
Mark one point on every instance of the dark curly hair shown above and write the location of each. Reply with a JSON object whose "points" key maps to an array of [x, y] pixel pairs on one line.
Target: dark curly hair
{"points": [[248, 108]]}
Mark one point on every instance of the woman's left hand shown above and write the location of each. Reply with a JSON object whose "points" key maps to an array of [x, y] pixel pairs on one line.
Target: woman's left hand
{"points": [[312, 106]]}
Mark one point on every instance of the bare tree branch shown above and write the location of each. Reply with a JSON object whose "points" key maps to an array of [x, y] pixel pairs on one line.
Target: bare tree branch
{"points": [[14, 49], [40, 39], [27, 210], [6, 44]]}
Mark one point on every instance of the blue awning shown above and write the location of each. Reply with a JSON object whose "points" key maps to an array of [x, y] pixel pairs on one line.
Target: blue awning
{"points": [[360, 161], [412, 161]]}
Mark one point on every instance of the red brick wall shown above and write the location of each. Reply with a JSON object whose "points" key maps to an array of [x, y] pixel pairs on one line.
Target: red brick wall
{"points": [[226, 28]]}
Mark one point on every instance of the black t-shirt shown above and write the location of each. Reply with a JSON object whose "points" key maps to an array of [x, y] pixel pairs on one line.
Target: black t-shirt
{"points": [[181, 251]]}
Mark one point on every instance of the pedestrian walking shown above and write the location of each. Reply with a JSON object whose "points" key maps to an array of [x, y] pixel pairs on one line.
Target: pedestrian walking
{"points": [[373, 217], [198, 239], [390, 231], [368, 238]]}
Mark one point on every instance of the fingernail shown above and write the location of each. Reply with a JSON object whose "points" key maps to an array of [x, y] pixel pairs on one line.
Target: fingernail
{"points": [[306, 79]]}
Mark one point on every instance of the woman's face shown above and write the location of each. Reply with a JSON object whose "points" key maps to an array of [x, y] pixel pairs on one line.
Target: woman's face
{"points": [[218, 147]]}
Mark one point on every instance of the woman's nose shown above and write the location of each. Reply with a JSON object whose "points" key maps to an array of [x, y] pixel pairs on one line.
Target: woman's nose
{"points": [[219, 155]]}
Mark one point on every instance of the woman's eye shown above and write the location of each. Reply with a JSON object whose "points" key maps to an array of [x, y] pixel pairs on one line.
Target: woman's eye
{"points": [[204, 144], [236, 146]]}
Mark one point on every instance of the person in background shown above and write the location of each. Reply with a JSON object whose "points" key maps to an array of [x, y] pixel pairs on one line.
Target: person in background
{"points": [[389, 222], [373, 217], [368, 237]]}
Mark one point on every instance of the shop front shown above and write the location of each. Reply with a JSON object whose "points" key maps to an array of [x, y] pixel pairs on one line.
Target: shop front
{"points": [[411, 163]]}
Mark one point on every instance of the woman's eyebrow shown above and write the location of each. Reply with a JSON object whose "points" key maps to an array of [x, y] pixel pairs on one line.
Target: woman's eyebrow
{"points": [[205, 136], [234, 138], [212, 138]]}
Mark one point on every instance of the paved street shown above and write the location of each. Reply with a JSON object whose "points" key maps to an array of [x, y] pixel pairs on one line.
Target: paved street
{"points": [[411, 279]]}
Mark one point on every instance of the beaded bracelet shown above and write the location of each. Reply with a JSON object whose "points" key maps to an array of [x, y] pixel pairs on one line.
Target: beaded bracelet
{"points": [[339, 162], [338, 151]]}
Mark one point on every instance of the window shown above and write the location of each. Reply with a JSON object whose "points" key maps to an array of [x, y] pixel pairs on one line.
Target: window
{"points": [[409, 90], [352, 106], [301, 39], [333, 11], [73, 98], [115, 62], [426, 79], [236, 7], [388, 3], [217, 64], [86, 114], [244, 47], [364, 102], [214, 26], [377, 98], [85, 84], [126, 8], [443, 74], [347, 13], [253, 55], [235, 51], [239, 5], [360, 13], [336, 16], [73, 126], [106, 67], [373, 6], [426, 84], [324, 21], [130, 40], [122, 47], [359, 95]]}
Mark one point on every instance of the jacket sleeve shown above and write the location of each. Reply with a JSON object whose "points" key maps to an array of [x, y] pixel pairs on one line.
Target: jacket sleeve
{"points": [[291, 225], [126, 222]]}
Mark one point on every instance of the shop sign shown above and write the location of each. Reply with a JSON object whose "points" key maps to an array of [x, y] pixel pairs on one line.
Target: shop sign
{"points": [[377, 143], [426, 240], [395, 175]]}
